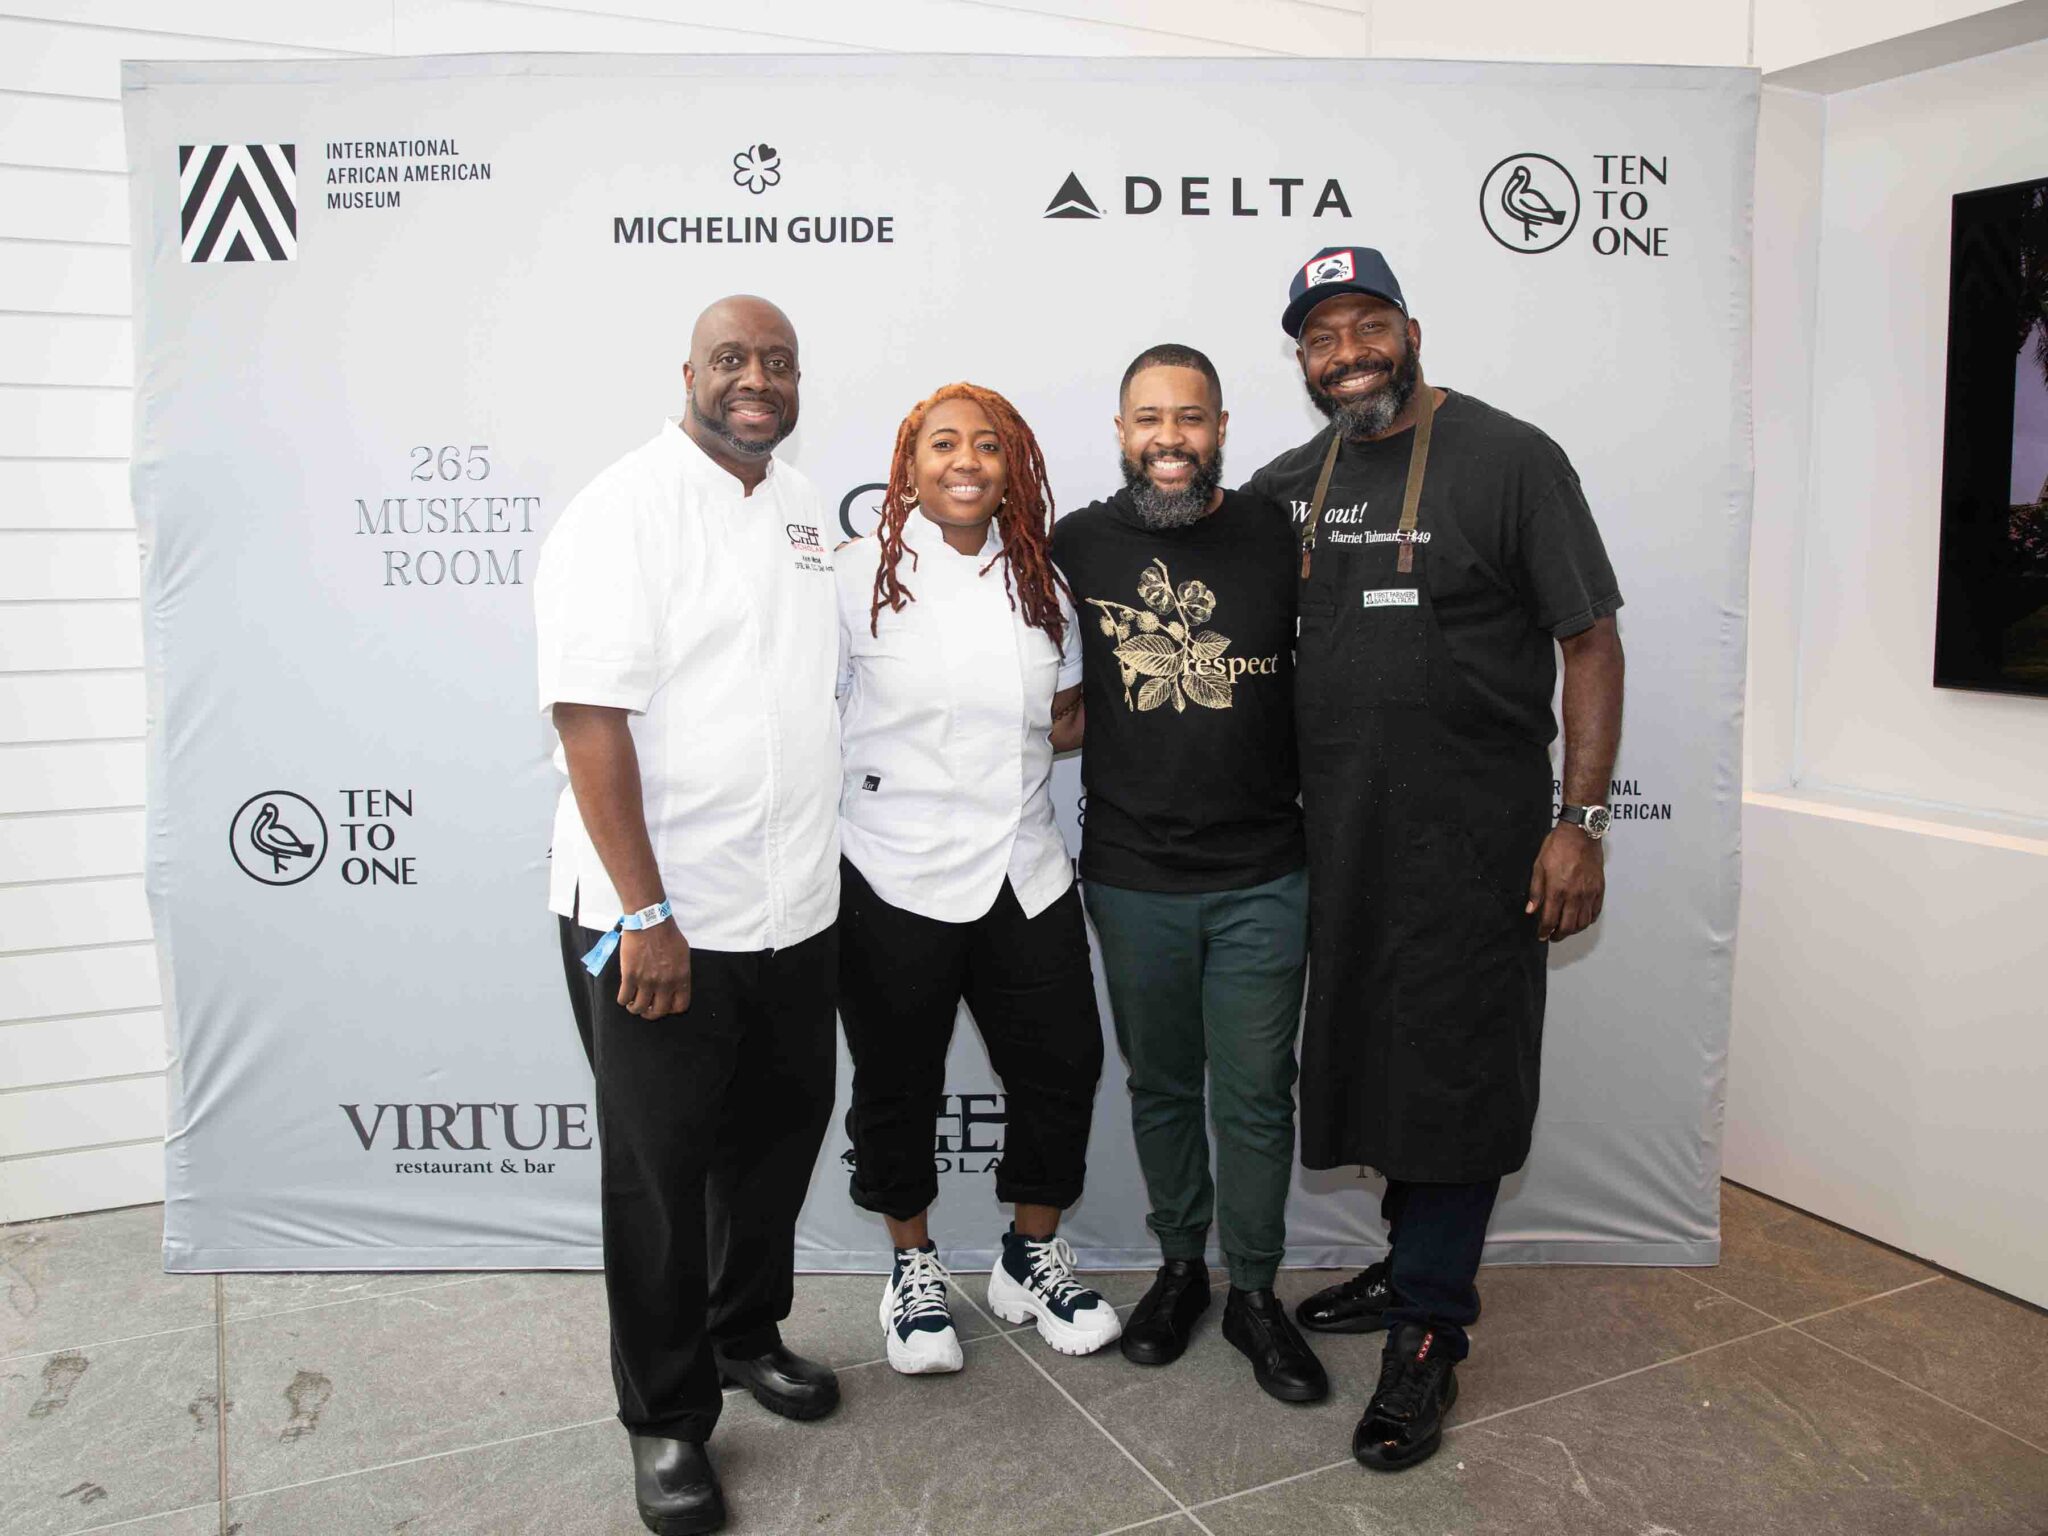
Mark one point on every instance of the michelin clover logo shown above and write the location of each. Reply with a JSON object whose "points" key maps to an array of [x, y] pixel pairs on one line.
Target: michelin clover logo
{"points": [[757, 167]]}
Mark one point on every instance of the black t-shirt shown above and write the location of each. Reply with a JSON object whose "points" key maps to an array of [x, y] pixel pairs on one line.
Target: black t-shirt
{"points": [[1187, 645], [1513, 558]]}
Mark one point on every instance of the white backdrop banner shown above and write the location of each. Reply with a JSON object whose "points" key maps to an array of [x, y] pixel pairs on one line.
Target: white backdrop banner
{"points": [[394, 314]]}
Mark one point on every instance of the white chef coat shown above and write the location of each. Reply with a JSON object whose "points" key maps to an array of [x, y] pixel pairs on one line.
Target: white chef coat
{"points": [[944, 714], [667, 591]]}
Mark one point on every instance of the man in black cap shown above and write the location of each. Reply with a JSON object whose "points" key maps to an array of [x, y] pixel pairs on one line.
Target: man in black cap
{"points": [[1447, 556]]}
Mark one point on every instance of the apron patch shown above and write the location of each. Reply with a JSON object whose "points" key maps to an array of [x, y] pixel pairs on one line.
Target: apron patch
{"points": [[1392, 597]]}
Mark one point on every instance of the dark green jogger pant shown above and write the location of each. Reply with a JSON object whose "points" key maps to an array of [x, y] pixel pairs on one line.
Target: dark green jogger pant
{"points": [[1210, 982]]}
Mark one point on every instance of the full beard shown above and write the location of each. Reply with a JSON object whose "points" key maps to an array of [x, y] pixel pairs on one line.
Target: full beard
{"points": [[1370, 417], [1159, 509], [714, 421]]}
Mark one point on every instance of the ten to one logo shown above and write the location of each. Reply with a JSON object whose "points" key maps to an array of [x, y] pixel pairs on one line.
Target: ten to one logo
{"points": [[238, 202], [1530, 203], [278, 837], [757, 168]]}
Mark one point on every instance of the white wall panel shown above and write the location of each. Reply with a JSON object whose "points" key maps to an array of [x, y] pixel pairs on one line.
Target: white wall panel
{"points": [[63, 349], [65, 494], [459, 26], [38, 567], [52, 983], [1589, 31], [65, 423], [1791, 32], [86, 846], [81, 777], [361, 26], [82, 1115], [53, 1051], [76, 912], [55, 637], [42, 204], [1870, 720], [75, 706], [1888, 1065], [61, 130], [64, 279], [55, 58], [1275, 26], [97, 1179]]}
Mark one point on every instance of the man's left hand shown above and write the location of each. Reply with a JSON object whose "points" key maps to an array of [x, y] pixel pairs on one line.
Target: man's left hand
{"points": [[1568, 885]]}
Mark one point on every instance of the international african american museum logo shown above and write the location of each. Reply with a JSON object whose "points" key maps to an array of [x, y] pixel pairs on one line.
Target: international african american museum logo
{"points": [[1530, 203], [278, 837], [238, 202]]}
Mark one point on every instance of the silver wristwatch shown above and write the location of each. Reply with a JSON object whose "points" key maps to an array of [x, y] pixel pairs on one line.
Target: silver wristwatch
{"points": [[1593, 820]]}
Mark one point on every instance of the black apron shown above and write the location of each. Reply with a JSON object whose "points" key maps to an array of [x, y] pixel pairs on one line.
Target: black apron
{"points": [[1424, 1023]]}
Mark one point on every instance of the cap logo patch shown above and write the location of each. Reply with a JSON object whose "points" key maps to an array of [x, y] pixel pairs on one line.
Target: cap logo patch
{"points": [[1335, 268]]}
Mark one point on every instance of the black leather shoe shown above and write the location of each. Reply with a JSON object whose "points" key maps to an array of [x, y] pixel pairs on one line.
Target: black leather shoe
{"points": [[1281, 1360], [1159, 1327], [1404, 1423], [782, 1382], [675, 1487], [1357, 1305]]}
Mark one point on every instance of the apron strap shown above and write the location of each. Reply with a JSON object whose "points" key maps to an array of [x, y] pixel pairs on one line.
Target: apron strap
{"points": [[1411, 498], [1315, 507]]}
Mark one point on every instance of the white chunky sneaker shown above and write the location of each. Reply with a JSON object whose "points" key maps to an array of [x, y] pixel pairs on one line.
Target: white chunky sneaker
{"points": [[1036, 1280], [915, 1321]]}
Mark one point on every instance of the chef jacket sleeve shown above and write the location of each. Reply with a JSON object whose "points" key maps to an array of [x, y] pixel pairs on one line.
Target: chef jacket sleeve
{"points": [[1070, 646], [599, 603]]}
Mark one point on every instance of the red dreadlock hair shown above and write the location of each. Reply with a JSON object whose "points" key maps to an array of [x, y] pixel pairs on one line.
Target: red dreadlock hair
{"points": [[1023, 521]]}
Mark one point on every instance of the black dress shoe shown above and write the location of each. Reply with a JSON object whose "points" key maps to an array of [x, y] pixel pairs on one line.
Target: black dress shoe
{"points": [[1281, 1360], [1404, 1423], [1357, 1305], [782, 1382], [675, 1487], [1158, 1329]]}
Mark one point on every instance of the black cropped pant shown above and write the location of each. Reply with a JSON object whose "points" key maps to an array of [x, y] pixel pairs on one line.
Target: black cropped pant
{"points": [[1028, 983]]}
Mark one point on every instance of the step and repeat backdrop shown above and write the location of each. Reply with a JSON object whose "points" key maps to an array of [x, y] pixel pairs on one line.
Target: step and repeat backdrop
{"points": [[394, 314]]}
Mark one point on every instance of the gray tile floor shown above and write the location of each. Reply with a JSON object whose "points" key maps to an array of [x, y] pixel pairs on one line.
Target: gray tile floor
{"points": [[1814, 1382]]}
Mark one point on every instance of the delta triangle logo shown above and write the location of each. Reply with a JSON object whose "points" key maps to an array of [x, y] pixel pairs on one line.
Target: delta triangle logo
{"points": [[1072, 201]]}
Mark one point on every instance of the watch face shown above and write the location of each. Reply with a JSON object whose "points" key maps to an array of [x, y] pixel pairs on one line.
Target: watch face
{"points": [[1597, 818]]}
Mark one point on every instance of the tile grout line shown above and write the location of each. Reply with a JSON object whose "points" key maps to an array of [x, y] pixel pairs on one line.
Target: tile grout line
{"points": [[161, 1514], [220, 1398], [408, 1461], [1914, 1386], [1178, 1502], [311, 1306]]}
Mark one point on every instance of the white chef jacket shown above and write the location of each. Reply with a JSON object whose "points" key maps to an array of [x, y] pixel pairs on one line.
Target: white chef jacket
{"points": [[667, 591], [943, 715]]}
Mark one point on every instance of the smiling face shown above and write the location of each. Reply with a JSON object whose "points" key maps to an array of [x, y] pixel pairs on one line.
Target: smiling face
{"points": [[1361, 360], [1171, 433], [742, 378], [959, 471]]}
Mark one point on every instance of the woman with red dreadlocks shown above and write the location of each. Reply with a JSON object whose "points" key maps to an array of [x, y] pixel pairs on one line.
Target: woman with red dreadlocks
{"points": [[960, 675]]}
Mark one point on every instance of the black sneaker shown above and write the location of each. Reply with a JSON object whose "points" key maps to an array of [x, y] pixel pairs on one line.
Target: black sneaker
{"points": [[1159, 1327], [1357, 1305], [1282, 1363], [1404, 1423]]}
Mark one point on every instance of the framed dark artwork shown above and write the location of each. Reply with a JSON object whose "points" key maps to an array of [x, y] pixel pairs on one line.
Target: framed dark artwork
{"points": [[1991, 612]]}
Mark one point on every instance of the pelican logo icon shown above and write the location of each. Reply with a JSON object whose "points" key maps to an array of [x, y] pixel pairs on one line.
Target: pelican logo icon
{"points": [[278, 838], [1530, 203]]}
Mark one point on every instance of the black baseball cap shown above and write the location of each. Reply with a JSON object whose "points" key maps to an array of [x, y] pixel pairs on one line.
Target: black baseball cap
{"points": [[1338, 269]]}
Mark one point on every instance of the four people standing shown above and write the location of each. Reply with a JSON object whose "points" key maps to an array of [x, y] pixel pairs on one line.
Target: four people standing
{"points": [[1386, 654]]}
